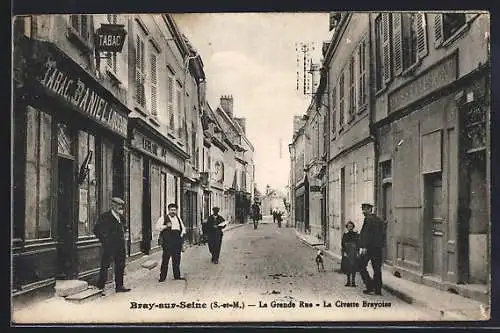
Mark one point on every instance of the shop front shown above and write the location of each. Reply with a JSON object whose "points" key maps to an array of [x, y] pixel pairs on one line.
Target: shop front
{"points": [[434, 174], [69, 157], [156, 167]]}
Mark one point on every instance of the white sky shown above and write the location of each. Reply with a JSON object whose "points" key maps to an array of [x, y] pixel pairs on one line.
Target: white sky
{"points": [[252, 57]]}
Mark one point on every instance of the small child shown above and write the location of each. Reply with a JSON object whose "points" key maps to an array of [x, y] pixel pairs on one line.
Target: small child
{"points": [[349, 254]]}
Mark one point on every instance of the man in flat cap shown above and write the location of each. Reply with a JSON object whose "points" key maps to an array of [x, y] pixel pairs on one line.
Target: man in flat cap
{"points": [[110, 230], [371, 243], [215, 224]]}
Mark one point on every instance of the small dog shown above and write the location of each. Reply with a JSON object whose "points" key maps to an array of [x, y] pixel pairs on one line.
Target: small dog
{"points": [[319, 261]]}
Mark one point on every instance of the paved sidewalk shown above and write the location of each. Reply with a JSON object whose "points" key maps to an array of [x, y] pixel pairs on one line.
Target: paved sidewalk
{"points": [[449, 305], [134, 271]]}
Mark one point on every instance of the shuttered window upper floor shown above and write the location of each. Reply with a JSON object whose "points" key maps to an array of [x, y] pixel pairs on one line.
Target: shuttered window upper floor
{"points": [[403, 40]]}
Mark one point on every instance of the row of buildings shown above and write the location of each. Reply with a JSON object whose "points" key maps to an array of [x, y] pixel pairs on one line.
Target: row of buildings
{"points": [[400, 118], [114, 106]]}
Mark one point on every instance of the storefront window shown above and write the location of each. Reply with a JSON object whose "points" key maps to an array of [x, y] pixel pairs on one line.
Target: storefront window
{"points": [[64, 140], [87, 197], [163, 185], [38, 175]]}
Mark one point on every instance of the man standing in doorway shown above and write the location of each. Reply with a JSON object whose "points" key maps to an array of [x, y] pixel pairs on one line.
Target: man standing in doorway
{"points": [[110, 230], [172, 230], [371, 243], [214, 227]]}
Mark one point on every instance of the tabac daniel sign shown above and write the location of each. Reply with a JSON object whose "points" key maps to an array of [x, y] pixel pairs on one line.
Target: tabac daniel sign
{"points": [[77, 91], [110, 37]]}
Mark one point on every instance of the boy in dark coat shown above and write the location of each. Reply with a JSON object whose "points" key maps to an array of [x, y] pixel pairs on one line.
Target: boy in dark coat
{"points": [[349, 254]]}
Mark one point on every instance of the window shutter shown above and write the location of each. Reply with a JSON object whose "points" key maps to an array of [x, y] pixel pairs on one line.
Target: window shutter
{"points": [[386, 47], [397, 38], [138, 74], [352, 88], [334, 110], [170, 101], [362, 74], [85, 27], [142, 58], [438, 29], [421, 36], [154, 82], [341, 100], [179, 112], [75, 22]]}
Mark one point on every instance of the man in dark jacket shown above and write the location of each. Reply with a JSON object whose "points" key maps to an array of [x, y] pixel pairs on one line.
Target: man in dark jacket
{"points": [[371, 242], [214, 227], [110, 230]]}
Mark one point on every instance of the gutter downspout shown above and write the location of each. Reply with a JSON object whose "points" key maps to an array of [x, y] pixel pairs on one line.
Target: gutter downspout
{"points": [[373, 131], [327, 153]]}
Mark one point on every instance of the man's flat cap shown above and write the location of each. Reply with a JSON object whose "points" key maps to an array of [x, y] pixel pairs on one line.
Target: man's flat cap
{"points": [[117, 200], [365, 204]]}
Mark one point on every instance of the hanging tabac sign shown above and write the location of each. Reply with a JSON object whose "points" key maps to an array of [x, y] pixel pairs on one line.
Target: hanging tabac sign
{"points": [[110, 37]]}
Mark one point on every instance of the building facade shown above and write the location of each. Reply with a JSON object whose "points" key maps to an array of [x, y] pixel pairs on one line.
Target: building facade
{"points": [[351, 145], [431, 115], [315, 154], [158, 141], [92, 125], [300, 184], [213, 162], [70, 150]]}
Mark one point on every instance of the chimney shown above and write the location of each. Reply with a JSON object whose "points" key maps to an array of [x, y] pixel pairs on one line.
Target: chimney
{"points": [[242, 122], [226, 102]]}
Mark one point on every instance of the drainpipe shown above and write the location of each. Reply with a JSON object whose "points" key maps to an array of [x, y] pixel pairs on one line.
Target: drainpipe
{"points": [[327, 154], [373, 132]]}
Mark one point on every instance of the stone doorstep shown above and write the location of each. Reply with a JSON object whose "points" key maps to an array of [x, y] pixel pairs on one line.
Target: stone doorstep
{"points": [[84, 296], [65, 288]]}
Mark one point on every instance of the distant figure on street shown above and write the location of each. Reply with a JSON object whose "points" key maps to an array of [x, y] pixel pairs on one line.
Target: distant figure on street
{"points": [[172, 230], [349, 264], [275, 215], [371, 242], [214, 227], [255, 214], [110, 230], [279, 217]]}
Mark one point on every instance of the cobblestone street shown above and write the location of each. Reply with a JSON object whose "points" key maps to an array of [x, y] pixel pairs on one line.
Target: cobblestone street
{"points": [[264, 265]]}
